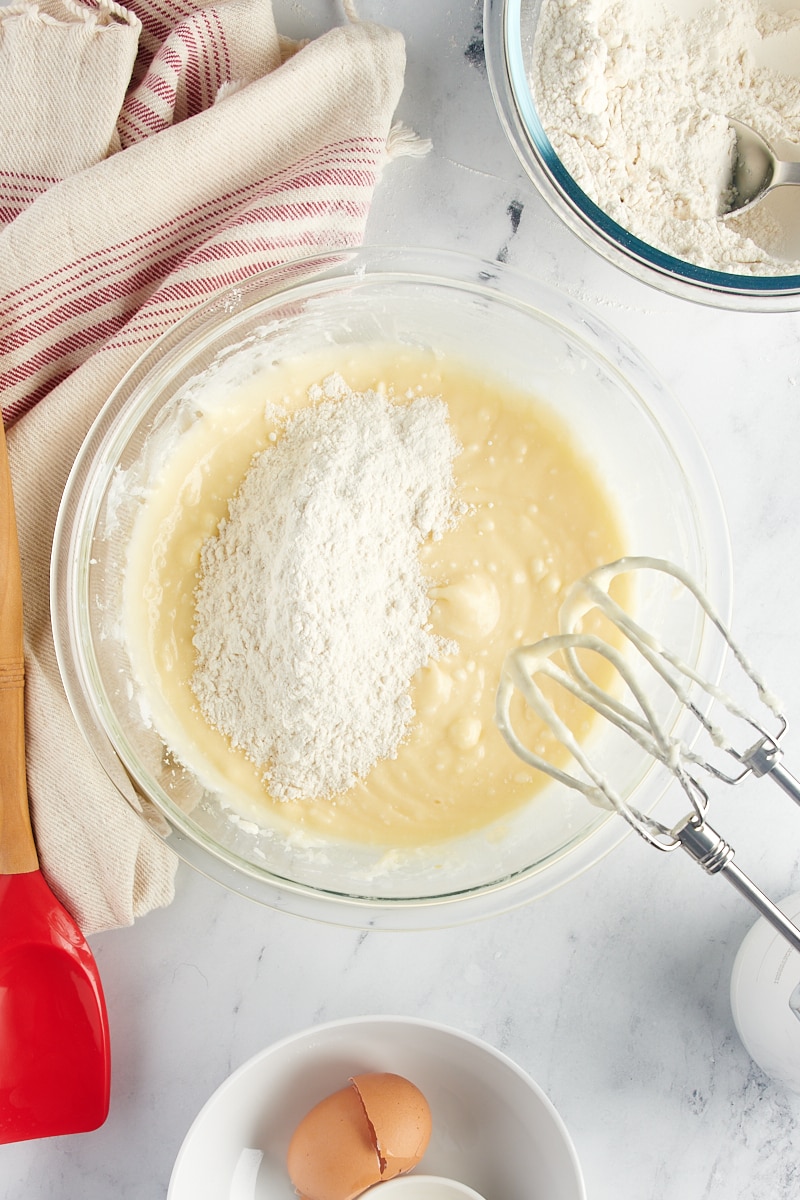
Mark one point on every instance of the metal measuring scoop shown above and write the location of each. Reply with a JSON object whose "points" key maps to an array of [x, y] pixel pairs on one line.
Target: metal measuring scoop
{"points": [[757, 170], [642, 665]]}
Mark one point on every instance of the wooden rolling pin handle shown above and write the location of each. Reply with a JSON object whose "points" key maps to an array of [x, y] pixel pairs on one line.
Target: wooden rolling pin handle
{"points": [[17, 847]]}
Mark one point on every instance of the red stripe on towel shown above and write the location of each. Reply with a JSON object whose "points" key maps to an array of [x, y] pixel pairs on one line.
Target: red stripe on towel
{"points": [[127, 293]]}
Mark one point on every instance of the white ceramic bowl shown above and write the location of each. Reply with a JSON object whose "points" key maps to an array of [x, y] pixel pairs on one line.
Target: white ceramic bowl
{"points": [[622, 419], [422, 1187], [494, 1129], [509, 28]]}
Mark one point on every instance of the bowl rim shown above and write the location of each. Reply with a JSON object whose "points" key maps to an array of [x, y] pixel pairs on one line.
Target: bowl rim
{"points": [[406, 1185], [387, 1021], [444, 268], [515, 107]]}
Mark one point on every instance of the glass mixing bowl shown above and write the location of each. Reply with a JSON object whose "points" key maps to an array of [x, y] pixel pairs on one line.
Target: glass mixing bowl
{"points": [[509, 29], [508, 325]]}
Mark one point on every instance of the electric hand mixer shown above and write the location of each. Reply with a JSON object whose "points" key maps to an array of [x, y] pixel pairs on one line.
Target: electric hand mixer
{"points": [[637, 655]]}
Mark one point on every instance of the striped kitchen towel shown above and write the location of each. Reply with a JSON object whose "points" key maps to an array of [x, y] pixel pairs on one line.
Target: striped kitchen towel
{"points": [[149, 156]]}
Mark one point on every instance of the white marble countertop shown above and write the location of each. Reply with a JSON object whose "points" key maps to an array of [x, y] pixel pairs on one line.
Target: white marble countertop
{"points": [[613, 992]]}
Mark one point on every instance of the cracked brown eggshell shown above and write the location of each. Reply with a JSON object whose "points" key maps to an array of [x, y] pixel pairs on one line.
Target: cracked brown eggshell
{"points": [[376, 1128]]}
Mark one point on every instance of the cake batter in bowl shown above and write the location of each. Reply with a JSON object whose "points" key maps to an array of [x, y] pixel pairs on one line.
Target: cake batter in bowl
{"points": [[570, 452]]}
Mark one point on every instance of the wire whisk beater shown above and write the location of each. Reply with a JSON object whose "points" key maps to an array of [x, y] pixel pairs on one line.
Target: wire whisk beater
{"points": [[709, 735]]}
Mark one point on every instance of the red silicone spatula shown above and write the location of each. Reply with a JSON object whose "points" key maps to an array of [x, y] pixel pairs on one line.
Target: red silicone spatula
{"points": [[54, 1046]]}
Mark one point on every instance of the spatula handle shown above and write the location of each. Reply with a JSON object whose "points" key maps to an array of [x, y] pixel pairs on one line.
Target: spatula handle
{"points": [[17, 847]]}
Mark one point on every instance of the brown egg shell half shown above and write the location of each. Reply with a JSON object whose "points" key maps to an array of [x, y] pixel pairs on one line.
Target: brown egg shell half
{"points": [[400, 1118], [332, 1153]]}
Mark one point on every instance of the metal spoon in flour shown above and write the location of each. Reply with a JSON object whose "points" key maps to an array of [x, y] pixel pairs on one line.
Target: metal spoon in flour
{"points": [[756, 170]]}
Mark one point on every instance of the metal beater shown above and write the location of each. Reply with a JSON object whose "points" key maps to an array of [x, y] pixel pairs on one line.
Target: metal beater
{"points": [[629, 708]]}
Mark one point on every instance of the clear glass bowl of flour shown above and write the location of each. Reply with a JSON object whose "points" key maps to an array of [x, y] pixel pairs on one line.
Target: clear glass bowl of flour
{"points": [[525, 336], [626, 136]]}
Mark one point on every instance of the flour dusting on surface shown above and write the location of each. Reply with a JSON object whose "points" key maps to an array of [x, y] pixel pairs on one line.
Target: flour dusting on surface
{"points": [[312, 612], [634, 98]]}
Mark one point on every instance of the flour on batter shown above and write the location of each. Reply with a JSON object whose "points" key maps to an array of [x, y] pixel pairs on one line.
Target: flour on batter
{"points": [[312, 613], [634, 98], [534, 517]]}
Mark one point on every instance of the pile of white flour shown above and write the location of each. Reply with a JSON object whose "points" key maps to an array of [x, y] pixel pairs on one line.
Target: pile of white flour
{"points": [[634, 98], [312, 611]]}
